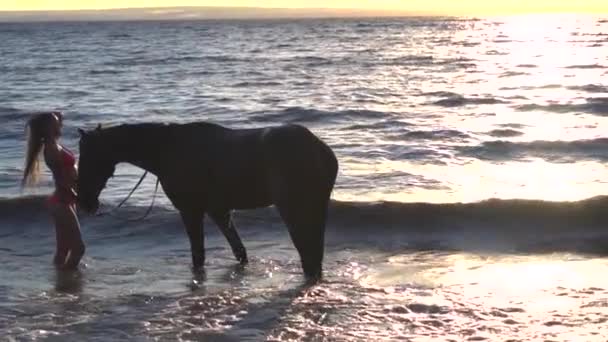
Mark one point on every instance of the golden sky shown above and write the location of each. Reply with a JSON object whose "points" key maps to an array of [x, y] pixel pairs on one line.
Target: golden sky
{"points": [[429, 6]]}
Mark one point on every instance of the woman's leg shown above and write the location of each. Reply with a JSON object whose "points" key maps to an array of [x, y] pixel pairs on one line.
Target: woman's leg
{"points": [[76, 246], [62, 250], [62, 244], [69, 239]]}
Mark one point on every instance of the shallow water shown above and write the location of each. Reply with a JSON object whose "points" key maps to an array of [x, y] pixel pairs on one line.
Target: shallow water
{"points": [[459, 277], [394, 295], [429, 110]]}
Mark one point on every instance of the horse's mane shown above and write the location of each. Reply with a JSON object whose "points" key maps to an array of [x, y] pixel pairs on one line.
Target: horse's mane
{"points": [[157, 125], [156, 130], [121, 127]]}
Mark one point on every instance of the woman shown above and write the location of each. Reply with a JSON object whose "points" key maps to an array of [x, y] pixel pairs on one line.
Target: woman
{"points": [[44, 130]]}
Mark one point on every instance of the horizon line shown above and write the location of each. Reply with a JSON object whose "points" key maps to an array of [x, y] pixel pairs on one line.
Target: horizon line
{"points": [[174, 13], [294, 9], [215, 13]]}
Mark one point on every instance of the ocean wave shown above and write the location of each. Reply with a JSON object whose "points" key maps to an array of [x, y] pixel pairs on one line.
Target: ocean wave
{"points": [[105, 72], [76, 93], [25, 207], [456, 63], [401, 180], [379, 125], [529, 226], [513, 74], [440, 134], [465, 43], [131, 61], [459, 101], [24, 69], [311, 61], [282, 46], [580, 41], [134, 61], [593, 105], [489, 212], [440, 41], [496, 53], [10, 113], [248, 84], [554, 151], [441, 93], [402, 152], [315, 116], [599, 34], [116, 35], [516, 97], [513, 125], [504, 41], [587, 66], [528, 221], [387, 214], [544, 86], [410, 60], [591, 88], [527, 66], [505, 133]]}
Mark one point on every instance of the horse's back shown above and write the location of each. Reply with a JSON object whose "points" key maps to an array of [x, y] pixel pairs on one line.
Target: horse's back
{"points": [[240, 167]]}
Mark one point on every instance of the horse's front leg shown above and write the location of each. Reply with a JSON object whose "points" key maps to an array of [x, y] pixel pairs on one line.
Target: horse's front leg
{"points": [[193, 220]]}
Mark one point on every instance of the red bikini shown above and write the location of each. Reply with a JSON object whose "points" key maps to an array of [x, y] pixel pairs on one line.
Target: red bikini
{"points": [[67, 198]]}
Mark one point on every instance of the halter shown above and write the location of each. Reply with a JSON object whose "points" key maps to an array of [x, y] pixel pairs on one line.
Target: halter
{"points": [[110, 212]]}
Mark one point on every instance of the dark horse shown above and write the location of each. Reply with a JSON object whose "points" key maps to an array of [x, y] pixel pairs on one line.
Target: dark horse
{"points": [[205, 168]]}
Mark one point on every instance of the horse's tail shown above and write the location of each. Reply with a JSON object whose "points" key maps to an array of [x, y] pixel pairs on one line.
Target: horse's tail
{"points": [[305, 151], [324, 164], [302, 170], [328, 162]]}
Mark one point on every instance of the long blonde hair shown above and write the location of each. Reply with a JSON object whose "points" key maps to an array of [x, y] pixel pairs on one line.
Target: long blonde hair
{"points": [[37, 130]]}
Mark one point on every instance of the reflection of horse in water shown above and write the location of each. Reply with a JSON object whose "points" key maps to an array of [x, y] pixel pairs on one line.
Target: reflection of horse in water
{"points": [[209, 169]]}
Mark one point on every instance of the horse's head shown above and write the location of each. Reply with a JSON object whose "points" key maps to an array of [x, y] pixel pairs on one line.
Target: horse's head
{"points": [[95, 166]]}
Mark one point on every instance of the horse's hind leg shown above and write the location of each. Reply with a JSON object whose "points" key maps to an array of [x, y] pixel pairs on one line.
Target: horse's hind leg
{"points": [[305, 220], [224, 222], [194, 227]]}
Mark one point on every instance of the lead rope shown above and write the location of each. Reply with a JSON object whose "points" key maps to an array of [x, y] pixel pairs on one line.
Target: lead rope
{"points": [[111, 212], [151, 204], [132, 191]]}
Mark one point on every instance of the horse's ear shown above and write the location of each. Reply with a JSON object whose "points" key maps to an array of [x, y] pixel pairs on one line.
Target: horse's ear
{"points": [[98, 127], [82, 132]]}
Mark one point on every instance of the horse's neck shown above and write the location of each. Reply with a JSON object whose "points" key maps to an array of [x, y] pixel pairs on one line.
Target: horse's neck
{"points": [[140, 146]]}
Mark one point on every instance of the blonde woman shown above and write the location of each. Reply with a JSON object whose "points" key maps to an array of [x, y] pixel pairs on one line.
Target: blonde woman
{"points": [[44, 131]]}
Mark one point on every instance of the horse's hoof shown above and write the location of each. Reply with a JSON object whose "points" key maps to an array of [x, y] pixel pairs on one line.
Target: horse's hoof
{"points": [[310, 281], [313, 277], [197, 282], [197, 270], [243, 260]]}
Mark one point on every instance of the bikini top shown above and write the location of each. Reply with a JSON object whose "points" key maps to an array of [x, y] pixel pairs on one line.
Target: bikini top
{"points": [[67, 157]]}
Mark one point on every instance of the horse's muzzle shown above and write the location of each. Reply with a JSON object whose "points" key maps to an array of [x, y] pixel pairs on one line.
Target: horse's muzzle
{"points": [[89, 207]]}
